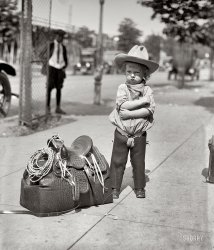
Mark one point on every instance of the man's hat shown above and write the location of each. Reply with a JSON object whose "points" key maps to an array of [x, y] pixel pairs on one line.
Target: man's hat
{"points": [[137, 54], [59, 32]]}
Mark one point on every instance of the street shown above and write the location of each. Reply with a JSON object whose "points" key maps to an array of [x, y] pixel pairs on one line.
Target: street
{"points": [[78, 92]]}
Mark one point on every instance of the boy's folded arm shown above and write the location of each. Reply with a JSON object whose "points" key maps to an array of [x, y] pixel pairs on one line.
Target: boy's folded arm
{"points": [[139, 113], [135, 104], [135, 114]]}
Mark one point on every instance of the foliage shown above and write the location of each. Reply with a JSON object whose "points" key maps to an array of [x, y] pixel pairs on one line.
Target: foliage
{"points": [[9, 19], [128, 35], [84, 37], [153, 45], [186, 20], [207, 32]]}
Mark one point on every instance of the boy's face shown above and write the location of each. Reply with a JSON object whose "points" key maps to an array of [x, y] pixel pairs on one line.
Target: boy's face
{"points": [[135, 73]]}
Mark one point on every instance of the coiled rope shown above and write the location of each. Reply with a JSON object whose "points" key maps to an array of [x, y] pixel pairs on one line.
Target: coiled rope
{"points": [[37, 171]]}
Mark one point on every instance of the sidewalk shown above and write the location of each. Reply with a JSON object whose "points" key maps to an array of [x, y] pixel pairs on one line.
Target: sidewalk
{"points": [[176, 214]]}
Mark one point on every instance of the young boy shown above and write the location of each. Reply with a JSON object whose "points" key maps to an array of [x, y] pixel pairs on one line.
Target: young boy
{"points": [[132, 117]]}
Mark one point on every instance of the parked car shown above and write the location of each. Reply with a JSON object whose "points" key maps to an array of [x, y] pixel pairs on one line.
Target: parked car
{"points": [[190, 71], [87, 62], [83, 68]]}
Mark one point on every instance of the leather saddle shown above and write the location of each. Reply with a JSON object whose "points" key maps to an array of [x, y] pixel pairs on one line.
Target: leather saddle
{"points": [[75, 182]]}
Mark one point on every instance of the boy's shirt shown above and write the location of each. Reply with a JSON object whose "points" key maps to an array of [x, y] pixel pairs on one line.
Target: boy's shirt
{"points": [[132, 126]]}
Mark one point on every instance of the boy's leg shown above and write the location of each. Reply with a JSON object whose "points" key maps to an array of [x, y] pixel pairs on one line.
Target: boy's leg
{"points": [[137, 156], [118, 160]]}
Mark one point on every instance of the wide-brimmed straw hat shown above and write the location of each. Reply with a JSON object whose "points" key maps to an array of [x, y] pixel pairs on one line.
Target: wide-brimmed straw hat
{"points": [[137, 54]]}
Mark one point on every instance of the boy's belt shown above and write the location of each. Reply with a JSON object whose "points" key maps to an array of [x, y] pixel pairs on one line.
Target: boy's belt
{"points": [[130, 138]]}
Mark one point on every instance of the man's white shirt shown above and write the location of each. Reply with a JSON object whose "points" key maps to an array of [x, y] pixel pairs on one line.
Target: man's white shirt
{"points": [[60, 63]]}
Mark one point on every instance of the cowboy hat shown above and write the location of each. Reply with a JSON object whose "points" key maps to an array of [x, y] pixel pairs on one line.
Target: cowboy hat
{"points": [[137, 54]]}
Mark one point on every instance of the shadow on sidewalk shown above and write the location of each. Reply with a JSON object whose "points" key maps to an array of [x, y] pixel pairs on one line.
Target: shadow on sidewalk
{"points": [[72, 108], [206, 102], [205, 173], [79, 108], [128, 178], [160, 85]]}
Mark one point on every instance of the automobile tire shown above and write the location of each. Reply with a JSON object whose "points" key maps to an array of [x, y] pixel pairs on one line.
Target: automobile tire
{"points": [[5, 94]]}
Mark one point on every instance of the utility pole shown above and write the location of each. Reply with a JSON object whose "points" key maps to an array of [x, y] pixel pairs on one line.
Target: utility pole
{"points": [[48, 55], [25, 100], [99, 67]]}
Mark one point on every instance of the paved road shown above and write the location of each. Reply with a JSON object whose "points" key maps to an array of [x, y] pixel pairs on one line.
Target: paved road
{"points": [[78, 92]]}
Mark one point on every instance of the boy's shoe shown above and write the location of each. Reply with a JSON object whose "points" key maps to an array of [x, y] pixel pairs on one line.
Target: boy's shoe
{"points": [[60, 111], [140, 193], [115, 193]]}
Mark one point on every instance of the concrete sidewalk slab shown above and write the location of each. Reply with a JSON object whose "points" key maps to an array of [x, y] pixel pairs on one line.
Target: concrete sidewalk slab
{"points": [[59, 232], [128, 234], [173, 125], [177, 213], [29, 232]]}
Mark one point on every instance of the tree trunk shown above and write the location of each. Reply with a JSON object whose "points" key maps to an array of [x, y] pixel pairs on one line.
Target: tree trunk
{"points": [[183, 58], [211, 64], [181, 80], [181, 66]]}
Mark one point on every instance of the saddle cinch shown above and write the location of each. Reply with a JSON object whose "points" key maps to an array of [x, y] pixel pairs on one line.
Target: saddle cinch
{"points": [[59, 179]]}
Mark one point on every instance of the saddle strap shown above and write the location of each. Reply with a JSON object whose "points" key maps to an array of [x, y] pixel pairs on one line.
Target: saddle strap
{"points": [[38, 214], [73, 181]]}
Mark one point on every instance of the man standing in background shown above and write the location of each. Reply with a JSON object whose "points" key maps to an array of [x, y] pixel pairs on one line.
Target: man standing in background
{"points": [[56, 68]]}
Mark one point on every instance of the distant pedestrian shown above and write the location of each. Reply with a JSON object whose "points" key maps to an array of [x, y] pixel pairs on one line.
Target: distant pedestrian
{"points": [[173, 69], [133, 116], [196, 63], [56, 68]]}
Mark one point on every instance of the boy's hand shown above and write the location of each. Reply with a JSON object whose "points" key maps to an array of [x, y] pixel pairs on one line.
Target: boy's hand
{"points": [[124, 114]]}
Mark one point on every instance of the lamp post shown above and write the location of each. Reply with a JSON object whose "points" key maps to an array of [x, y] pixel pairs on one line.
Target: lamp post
{"points": [[99, 67]]}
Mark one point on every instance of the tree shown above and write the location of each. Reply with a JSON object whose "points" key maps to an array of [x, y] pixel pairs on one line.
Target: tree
{"points": [[208, 32], [128, 35], [153, 45], [9, 19], [84, 37], [183, 17], [187, 21]]}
